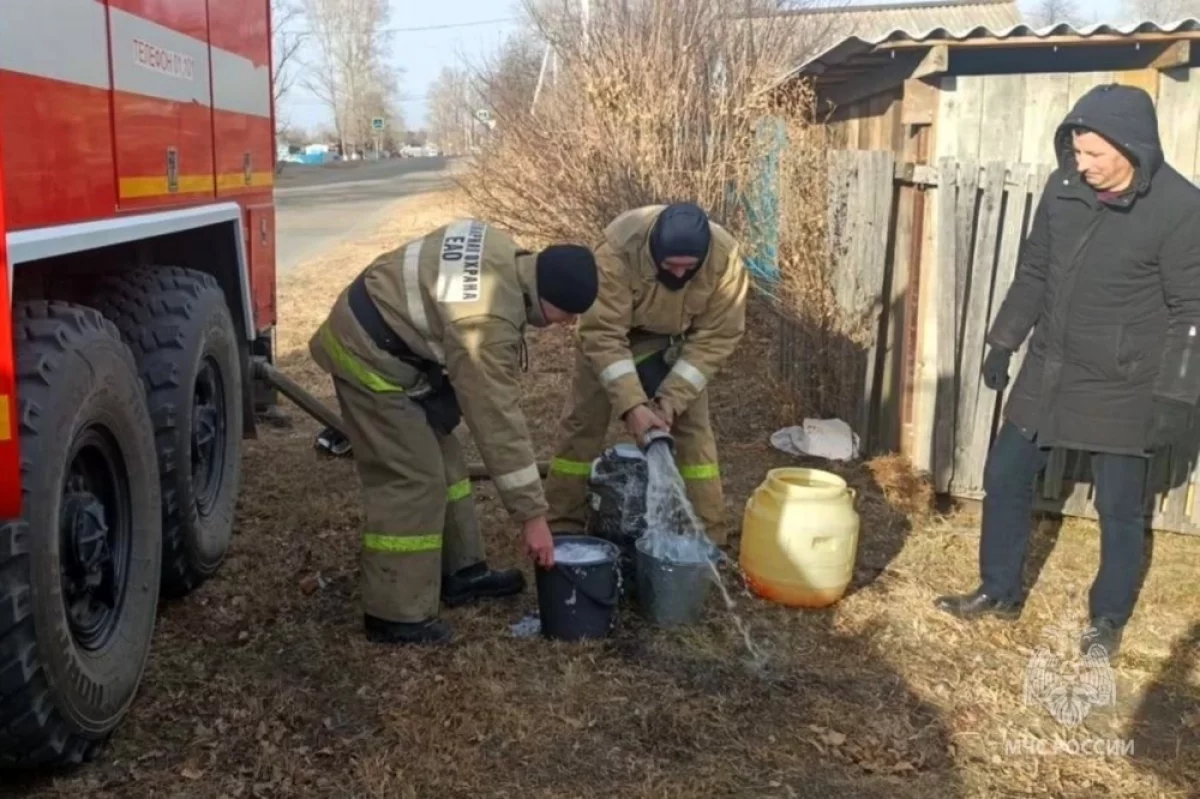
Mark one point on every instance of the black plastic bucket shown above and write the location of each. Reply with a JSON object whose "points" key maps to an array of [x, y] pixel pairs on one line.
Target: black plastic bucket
{"points": [[579, 600]]}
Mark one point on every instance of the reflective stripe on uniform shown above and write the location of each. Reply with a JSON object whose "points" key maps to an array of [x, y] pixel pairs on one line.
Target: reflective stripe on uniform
{"points": [[369, 379], [402, 544], [568, 468], [518, 479], [690, 374], [414, 298], [700, 471], [617, 370], [459, 490]]}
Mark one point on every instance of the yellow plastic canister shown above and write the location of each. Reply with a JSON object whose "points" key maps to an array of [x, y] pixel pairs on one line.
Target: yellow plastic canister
{"points": [[800, 538]]}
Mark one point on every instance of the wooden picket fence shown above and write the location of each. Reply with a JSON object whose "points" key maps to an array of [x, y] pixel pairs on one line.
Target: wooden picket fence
{"points": [[980, 217]]}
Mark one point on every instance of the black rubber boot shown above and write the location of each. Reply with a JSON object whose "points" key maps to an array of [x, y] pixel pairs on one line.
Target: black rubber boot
{"points": [[977, 604], [331, 443], [480, 582], [431, 631], [1104, 633]]}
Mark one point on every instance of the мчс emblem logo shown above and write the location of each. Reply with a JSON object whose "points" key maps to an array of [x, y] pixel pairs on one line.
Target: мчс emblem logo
{"points": [[1067, 683]]}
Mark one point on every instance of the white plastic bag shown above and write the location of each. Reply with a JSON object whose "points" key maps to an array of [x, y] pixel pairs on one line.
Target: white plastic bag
{"points": [[831, 439]]}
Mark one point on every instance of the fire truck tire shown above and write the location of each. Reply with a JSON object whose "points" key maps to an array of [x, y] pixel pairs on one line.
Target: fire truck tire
{"points": [[179, 327], [79, 576]]}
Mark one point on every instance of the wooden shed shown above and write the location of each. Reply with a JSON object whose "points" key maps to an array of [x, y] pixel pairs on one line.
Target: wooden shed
{"points": [[926, 95], [955, 126]]}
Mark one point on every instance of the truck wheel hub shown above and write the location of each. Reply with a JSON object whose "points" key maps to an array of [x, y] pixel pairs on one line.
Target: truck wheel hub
{"points": [[93, 538], [208, 435]]}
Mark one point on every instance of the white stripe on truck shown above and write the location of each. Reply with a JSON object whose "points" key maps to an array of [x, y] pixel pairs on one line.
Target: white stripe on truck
{"points": [[239, 86], [56, 39], [156, 61], [67, 40]]}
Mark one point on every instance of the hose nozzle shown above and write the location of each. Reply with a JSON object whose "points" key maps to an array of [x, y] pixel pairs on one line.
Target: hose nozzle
{"points": [[655, 436]]}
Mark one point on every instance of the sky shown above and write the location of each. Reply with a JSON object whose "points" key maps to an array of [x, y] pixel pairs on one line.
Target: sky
{"points": [[423, 53]]}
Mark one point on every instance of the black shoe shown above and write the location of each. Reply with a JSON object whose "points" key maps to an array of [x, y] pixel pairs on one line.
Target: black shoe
{"points": [[431, 631], [978, 604], [480, 582], [331, 443], [1104, 633]]}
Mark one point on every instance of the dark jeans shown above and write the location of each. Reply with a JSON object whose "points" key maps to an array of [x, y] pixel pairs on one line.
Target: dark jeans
{"points": [[1012, 468]]}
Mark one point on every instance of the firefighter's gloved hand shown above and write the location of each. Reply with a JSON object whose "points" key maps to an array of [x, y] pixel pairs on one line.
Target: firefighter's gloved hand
{"points": [[995, 368], [1170, 421], [441, 406]]}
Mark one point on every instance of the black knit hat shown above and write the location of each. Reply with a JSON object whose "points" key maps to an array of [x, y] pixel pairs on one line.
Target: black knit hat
{"points": [[680, 230], [566, 277]]}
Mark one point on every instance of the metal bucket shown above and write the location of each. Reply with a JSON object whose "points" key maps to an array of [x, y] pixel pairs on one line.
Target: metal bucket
{"points": [[669, 593]]}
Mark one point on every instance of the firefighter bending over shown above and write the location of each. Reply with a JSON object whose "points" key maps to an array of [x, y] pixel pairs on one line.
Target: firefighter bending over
{"points": [[433, 324], [670, 311]]}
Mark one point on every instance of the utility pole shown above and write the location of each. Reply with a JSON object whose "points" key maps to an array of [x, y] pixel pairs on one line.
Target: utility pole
{"points": [[585, 15], [537, 90]]}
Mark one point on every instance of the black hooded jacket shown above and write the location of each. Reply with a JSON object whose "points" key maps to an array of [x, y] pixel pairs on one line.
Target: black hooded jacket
{"points": [[1110, 289]]}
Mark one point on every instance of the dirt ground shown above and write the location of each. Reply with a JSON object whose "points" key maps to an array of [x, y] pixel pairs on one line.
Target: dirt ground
{"points": [[261, 685]]}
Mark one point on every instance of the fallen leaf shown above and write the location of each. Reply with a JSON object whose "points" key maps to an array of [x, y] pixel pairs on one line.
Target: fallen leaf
{"points": [[190, 773], [834, 738]]}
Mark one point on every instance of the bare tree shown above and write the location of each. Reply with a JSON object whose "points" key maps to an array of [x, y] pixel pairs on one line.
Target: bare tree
{"points": [[448, 103], [1162, 11], [348, 71], [1053, 12], [284, 13]]}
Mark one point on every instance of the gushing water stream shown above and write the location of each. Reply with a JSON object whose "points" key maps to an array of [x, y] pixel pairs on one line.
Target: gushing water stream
{"points": [[674, 533]]}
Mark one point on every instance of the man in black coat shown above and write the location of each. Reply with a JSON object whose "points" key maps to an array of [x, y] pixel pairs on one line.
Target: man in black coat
{"points": [[1109, 282]]}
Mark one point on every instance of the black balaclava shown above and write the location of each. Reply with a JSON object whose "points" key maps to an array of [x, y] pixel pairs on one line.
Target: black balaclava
{"points": [[566, 277], [680, 230]]}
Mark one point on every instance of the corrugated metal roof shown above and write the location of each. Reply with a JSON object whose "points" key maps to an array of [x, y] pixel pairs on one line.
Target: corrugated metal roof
{"points": [[873, 21], [817, 28], [857, 49]]}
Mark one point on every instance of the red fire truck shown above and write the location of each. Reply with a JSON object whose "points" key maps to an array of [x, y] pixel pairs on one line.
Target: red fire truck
{"points": [[137, 230]]}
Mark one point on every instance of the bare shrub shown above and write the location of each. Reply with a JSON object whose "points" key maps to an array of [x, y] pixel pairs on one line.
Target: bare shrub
{"points": [[671, 100], [657, 103]]}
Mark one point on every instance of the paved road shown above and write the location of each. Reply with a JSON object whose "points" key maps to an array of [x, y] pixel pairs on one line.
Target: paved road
{"points": [[318, 207]]}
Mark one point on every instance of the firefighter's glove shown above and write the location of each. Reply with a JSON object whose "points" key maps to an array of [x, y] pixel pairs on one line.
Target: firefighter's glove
{"points": [[1171, 421], [995, 368], [441, 406]]}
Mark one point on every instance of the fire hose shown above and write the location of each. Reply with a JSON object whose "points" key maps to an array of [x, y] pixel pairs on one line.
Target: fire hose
{"points": [[327, 416]]}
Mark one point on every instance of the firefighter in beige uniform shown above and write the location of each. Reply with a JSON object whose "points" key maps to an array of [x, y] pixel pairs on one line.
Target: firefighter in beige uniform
{"points": [[427, 335], [670, 311]]}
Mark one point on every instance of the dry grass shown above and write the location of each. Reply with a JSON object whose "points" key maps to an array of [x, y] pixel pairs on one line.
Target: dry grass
{"points": [[260, 684]]}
